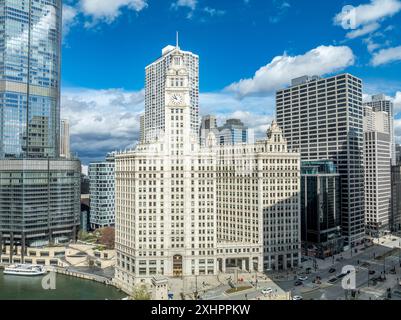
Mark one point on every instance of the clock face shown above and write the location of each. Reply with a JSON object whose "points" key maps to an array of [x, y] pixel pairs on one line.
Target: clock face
{"points": [[176, 99]]}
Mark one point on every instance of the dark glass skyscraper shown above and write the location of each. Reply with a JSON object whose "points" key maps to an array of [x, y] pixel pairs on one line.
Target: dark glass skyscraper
{"points": [[39, 191], [320, 208]]}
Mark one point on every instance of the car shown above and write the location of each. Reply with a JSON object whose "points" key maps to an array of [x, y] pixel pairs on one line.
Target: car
{"points": [[341, 275], [332, 270], [372, 272], [303, 278], [297, 298], [267, 290], [298, 283]]}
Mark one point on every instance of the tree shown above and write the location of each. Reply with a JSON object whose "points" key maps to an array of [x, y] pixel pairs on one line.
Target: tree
{"points": [[82, 235], [107, 237], [141, 293]]}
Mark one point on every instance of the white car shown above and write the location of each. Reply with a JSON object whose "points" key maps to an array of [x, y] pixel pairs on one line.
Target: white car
{"points": [[267, 291], [297, 298], [303, 278]]}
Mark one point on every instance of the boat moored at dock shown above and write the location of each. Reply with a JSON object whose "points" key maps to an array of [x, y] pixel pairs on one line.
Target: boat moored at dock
{"points": [[25, 270]]}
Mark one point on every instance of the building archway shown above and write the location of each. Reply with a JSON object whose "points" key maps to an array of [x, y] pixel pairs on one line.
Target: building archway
{"points": [[177, 265]]}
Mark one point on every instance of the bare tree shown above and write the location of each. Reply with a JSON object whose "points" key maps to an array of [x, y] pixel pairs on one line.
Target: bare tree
{"points": [[107, 237]]}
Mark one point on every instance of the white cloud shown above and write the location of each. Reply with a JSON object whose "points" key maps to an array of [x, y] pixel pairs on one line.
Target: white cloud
{"points": [[365, 18], [281, 8], [397, 102], [69, 18], [191, 4], [101, 120], [385, 56], [371, 44], [369, 28], [214, 12], [186, 3], [319, 61], [376, 10], [109, 10]]}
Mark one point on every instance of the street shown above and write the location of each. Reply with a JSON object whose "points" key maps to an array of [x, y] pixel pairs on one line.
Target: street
{"points": [[365, 262]]}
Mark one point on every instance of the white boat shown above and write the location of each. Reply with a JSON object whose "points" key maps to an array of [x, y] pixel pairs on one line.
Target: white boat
{"points": [[25, 270]]}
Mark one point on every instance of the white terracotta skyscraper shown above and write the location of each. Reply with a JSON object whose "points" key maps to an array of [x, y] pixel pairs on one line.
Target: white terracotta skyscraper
{"points": [[155, 85]]}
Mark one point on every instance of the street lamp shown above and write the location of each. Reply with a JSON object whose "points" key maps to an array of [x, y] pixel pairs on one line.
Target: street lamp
{"points": [[384, 266]]}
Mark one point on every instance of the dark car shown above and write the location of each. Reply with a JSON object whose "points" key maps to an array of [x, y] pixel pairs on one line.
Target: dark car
{"points": [[332, 270], [298, 283], [372, 272]]}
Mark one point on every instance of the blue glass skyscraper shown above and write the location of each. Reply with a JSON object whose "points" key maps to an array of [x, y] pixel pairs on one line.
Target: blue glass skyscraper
{"points": [[39, 191], [30, 51]]}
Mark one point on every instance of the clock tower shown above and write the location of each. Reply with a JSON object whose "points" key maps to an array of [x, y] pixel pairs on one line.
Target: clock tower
{"points": [[177, 83], [178, 107]]}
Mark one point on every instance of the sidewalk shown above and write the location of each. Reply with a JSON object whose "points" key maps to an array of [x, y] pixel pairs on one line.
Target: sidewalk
{"points": [[324, 264]]}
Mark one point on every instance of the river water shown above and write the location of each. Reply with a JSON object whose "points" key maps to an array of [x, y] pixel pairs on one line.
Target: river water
{"points": [[67, 288]]}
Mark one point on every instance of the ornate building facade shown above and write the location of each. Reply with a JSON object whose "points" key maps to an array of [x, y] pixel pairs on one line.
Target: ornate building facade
{"points": [[183, 209]]}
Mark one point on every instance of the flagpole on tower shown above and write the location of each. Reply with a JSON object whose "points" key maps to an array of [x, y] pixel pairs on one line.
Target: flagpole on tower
{"points": [[177, 40]]}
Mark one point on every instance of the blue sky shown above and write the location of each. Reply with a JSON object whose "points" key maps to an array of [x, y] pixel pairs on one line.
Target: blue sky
{"points": [[247, 49]]}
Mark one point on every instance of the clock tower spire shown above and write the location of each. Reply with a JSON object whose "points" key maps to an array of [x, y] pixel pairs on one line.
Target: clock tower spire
{"points": [[178, 106]]}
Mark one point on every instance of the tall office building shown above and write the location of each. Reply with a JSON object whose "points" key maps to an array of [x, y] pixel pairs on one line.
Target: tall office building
{"points": [[183, 209], [155, 86], [395, 219], [141, 127], [377, 162], [379, 102], [208, 124], [39, 192], [101, 190], [397, 154], [65, 139], [30, 37], [232, 132], [320, 209], [323, 119]]}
